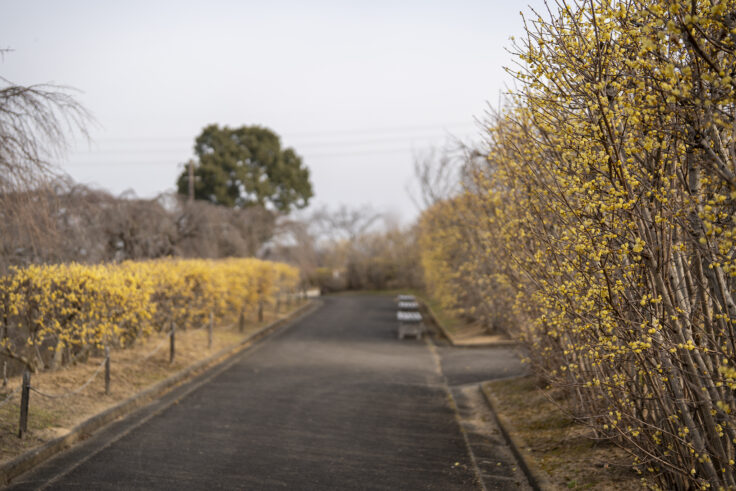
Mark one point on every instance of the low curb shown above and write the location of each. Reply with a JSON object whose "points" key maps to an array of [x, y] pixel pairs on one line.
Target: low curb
{"points": [[451, 338], [84, 430], [536, 476]]}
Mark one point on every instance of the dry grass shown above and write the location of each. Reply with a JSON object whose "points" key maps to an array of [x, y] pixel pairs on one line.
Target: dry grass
{"points": [[461, 331], [565, 449], [130, 373]]}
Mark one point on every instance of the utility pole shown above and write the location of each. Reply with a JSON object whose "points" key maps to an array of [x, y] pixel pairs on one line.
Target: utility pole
{"points": [[191, 180]]}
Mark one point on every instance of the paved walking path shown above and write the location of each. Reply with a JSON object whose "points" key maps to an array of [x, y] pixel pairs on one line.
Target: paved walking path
{"points": [[334, 401]]}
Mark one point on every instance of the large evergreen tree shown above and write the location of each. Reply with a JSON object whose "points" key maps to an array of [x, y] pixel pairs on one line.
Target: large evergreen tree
{"points": [[241, 167]]}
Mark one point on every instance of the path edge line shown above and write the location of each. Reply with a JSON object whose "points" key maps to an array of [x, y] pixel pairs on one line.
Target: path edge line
{"points": [[456, 413], [537, 478]]}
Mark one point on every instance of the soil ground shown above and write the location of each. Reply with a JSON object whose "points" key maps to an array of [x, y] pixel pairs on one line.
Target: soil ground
{"points": [[563, 448]]}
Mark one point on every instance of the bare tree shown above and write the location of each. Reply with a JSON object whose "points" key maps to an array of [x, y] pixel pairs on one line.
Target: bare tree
{"points": [[439, 173], [35, 123], [346, 223], [207, 230]]}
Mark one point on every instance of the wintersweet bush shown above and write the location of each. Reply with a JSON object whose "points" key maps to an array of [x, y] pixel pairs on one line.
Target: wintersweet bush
{"points": [[463, 265], [608, 204], [53, 313]]}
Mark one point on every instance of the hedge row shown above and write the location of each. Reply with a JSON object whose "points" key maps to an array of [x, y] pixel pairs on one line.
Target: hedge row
{"points": [[604, 221], [51, 314]]}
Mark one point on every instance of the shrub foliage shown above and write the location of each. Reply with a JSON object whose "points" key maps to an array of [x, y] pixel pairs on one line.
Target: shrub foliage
{"points": [[53, 314], [605, 217]]}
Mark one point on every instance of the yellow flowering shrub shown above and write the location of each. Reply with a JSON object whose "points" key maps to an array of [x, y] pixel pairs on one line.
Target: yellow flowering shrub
{"points": [[54, 311], [608, 204], [461, 271]]}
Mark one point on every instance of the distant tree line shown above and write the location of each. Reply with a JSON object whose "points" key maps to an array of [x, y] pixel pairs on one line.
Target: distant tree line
{"points": [[64, 221]]}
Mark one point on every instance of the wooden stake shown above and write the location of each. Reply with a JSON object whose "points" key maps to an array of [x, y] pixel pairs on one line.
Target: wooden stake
{"points": [[24, 396], [209, 330], [107, 370], [172, 343]]}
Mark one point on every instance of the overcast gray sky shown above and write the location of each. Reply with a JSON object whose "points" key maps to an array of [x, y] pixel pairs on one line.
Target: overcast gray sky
{"points": [[355, 87]]}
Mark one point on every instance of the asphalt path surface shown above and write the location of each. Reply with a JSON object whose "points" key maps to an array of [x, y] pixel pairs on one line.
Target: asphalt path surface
{"points": [[332, 401]]}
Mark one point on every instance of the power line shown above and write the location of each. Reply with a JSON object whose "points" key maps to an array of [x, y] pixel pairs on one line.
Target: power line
{"points": [[318, 151], [384, 130], [299, 147], [322, 133], [178, 164], [360, 154]]}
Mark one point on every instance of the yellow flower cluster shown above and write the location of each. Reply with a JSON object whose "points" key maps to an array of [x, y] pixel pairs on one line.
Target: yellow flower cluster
{"points": [[51, 311], [605, 219]]}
